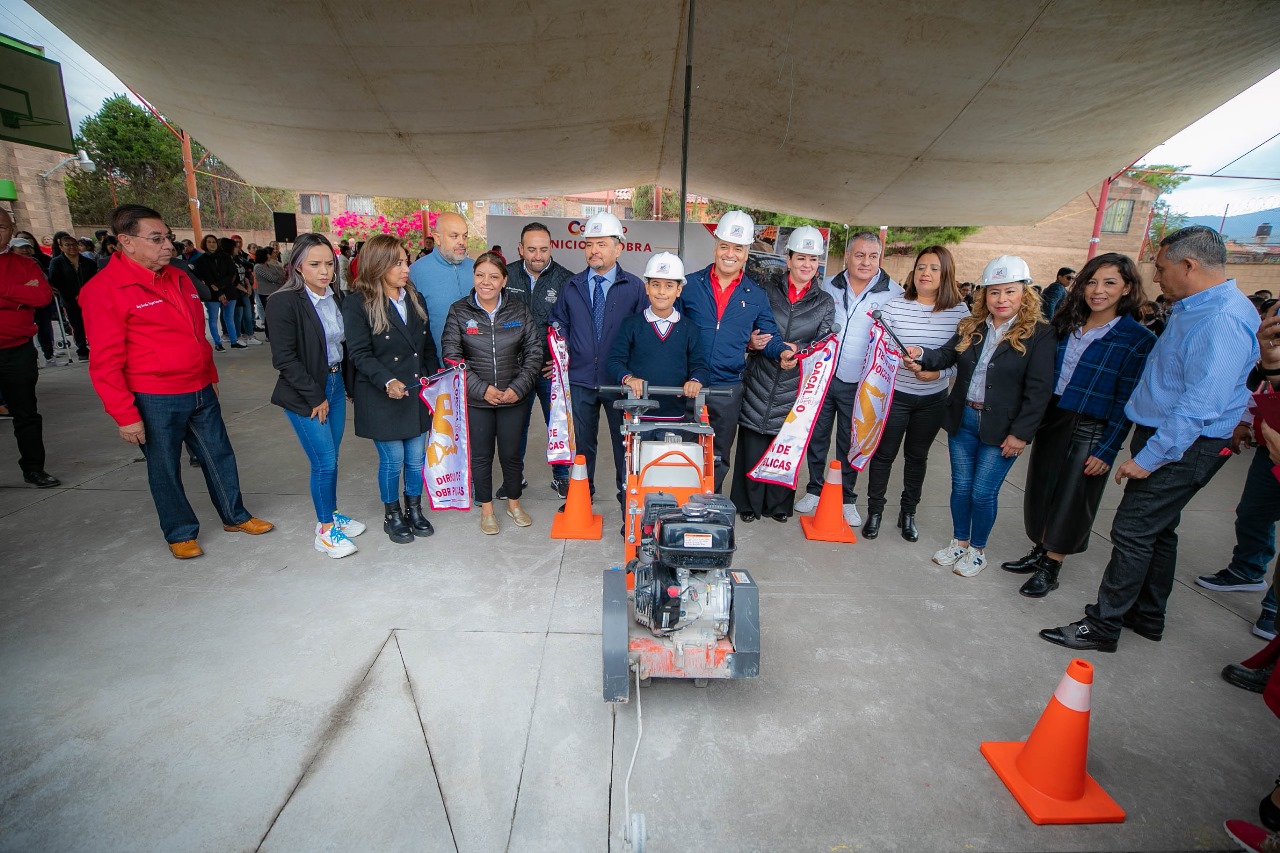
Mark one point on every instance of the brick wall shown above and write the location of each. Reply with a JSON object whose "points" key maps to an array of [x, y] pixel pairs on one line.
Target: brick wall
{"points": [[41, 207]]}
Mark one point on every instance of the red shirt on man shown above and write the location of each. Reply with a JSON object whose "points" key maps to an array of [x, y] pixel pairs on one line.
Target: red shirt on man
{"points": [[23, 288], [722, 295]]}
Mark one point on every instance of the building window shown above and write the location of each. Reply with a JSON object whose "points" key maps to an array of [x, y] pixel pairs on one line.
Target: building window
{"points": [[502, 208], [593, 209], [1119, 215], [361, 204], [313, 203]]}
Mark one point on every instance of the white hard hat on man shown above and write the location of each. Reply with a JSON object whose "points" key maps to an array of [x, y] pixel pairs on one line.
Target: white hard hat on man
{"points": [[736, 227], [603, 224]]}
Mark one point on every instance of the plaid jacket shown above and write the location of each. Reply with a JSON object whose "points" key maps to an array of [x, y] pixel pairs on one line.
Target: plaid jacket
{"points": [[1108, 372]]}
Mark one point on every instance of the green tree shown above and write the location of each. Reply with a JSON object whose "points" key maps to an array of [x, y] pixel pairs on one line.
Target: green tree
{"points": [[1165, 178], [396, 208], [642, 203]]}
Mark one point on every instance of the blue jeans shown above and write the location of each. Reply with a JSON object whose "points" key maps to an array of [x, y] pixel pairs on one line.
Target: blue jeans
{"points": [[244, 314], [409, 456], [196, 418], [320, 441], [228, 311], [559, 473], [977, 472], [1256, 517]]}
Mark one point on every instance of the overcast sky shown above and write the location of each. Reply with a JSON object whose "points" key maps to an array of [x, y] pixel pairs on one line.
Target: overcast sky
{"points": [[1207, 146]]}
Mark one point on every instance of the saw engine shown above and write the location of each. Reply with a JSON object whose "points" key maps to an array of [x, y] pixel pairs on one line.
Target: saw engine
{"points": [[682, 565]]}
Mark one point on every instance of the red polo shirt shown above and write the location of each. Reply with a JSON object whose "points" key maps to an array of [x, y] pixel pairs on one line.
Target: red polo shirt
{"points": [[722, 295], [794, 295]]}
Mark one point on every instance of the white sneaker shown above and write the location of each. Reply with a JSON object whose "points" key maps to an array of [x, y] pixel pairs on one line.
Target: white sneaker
{"points": [[851, 516], [251, 341], [348, 526], [972, 562], [808, 503], [50, 362], [334, 542], [947, 556]]}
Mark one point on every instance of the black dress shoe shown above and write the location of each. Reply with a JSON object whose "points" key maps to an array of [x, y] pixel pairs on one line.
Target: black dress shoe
{"points": [[780, 517], [1150, 631], [1078, 636], [413, 516], [1253, 680], [1026, 565], [872, 528], [42, 479], [1045, 579], [907, 524], [747, 516]]}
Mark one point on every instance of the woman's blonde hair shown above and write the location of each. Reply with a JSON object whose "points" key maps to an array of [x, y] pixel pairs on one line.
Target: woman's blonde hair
{"points": [[1021, 327], [377, 257]]}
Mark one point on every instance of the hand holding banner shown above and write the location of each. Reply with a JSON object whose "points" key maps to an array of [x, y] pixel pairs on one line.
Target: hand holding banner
{"points": [[447, 474], [560, 441], [780, 465], [875, 395]]}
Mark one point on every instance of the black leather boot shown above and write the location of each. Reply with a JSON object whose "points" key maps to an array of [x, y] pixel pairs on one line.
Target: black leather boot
{"points": [[872, 528], [1026, 565], [907, 524], [413, 516], [393, 524], [1045, 580]]}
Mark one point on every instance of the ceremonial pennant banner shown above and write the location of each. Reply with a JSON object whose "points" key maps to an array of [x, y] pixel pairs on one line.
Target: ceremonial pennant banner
{"points": [[560, 443], [447, 475], [875, 394], [780, 465]]}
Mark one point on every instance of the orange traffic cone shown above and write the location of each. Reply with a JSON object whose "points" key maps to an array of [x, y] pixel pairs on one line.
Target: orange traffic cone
{"points": [[1046, 774], [827, 523], [577, 522]]}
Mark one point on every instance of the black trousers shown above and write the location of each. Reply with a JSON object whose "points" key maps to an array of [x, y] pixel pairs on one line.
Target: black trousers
{"points": [[71, 304], [912, 424], [747, 494], [1144, 536], [18, 374], [587, 402], [837, 411], [723, 413], [1061, 501], [503, 425]]}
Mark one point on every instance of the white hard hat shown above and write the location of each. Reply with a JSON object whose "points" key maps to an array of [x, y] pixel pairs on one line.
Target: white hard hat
{"points": [[665, 265], [736, 227], [603, 224], [1006, 269], [805, 240]]}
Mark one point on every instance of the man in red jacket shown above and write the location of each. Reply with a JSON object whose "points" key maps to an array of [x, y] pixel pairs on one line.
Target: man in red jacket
{"points": [[23, 289], [155, 375]]}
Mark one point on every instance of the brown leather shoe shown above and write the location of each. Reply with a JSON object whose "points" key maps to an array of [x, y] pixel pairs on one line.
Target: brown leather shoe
{"points": [[254, 527], [186, 550]]}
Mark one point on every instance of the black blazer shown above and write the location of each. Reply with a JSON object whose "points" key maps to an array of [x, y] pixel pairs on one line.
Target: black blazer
{"points": [[405, 351], [298, 350], [1019, 386]]}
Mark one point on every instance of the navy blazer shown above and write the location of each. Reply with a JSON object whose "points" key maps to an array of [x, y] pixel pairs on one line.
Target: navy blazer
{"points": [[589, 360], [1104, 379], [725, 339]]}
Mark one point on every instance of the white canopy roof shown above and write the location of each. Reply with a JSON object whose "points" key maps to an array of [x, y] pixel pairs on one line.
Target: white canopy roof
{"points": [[926, 112]]}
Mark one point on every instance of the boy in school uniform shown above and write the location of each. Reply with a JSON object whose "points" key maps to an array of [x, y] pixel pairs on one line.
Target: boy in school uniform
{"points": [[656, 346]]}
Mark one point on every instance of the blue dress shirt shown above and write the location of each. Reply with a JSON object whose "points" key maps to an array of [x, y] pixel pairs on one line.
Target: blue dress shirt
{"points": [[1194, 382]]}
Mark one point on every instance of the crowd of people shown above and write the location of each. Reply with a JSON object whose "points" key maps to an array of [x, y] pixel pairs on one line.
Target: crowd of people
{"points": [[1070, 371]]}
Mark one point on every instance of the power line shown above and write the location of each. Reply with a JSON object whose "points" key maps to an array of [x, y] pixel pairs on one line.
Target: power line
{"points": [[1247, 153]]}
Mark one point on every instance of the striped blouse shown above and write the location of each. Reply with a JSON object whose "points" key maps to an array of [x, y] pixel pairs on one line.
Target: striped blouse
{"points": [[919, 325]]}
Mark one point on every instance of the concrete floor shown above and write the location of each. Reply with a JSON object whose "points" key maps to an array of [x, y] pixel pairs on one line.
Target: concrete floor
{"points": [[445, 695]]}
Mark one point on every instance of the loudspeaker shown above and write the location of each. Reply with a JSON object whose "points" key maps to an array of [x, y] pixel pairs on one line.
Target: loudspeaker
{"points": [[286, 227]]}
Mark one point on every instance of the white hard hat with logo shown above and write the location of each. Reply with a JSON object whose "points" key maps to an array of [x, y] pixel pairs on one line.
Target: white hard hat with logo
{"points": [[665, 265], [736, 227], [1006, 269], [805, 240], [603, 224]]}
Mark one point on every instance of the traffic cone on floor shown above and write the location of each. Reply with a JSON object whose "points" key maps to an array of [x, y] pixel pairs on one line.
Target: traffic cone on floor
{"points": [[827, 523], [1046, 774], [577, 522]]}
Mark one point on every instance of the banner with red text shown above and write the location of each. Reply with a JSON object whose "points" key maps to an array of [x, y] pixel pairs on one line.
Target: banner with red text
{"points": [[560, 442], [781, 463], [447, 474], [875, 394]]}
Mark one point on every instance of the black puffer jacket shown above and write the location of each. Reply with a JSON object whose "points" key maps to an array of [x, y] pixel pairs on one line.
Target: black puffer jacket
{"points": [[768, 391], [504, 352]]}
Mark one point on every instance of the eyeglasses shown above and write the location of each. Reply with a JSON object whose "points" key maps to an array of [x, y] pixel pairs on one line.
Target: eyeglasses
{"points": [[153, 239]]}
